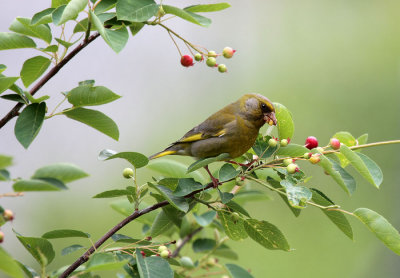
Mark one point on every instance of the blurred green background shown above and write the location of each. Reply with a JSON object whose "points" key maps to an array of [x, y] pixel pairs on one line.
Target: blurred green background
{"points": [[334, 64]]}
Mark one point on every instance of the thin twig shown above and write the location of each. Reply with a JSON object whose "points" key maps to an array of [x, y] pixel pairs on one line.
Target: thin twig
{"points": [[12, 194], [184, 241]]}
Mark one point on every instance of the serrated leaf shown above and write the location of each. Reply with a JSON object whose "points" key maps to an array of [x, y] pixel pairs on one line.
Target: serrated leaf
{"points": [[33, 68], [40, 248], [297, 195], [112, 193], [137, 160], [9, 266], [14, 41], [116, 39], [187, 15], [174, 169], [42, 17], [338, 218], [71, 11], [65, 172], [266, 234], [136, 10], [29, 123], [206, 218], [364, 165], [380, 227], [45, 184], [285, 122], [227, 172], [205, 161], [161, 224], [153, 267], [237, 271], [233, 229], [64, 234], [207, 8], [22, 25], [292, 150], [104, 261], [6, 82], [339, 175], [69, 249], [95, 119], [179, 203], [89, 96]]}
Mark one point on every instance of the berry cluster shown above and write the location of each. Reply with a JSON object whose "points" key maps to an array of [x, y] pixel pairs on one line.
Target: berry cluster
{"points": [[7, 215], [211, 61], [312, 142], [273, 142]]}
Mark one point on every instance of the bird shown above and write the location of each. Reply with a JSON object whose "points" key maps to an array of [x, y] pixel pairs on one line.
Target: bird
{"points": [[231, 131]]}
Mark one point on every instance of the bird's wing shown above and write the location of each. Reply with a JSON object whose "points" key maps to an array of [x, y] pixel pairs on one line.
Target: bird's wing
{"points": [[214, 126]]}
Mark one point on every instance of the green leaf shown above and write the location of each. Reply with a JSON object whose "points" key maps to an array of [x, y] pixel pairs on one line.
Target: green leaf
{"points": [[171, 168], [40, 248], [380, 227], [292, 150], [33, 68], [89, 96], [136, 10], [95, 119], [104, 6], [237, 208], [187, 15], [238, 272], [51, 48], [285, 122], [6, 82], [4, 176], [46, 184], [207, 8], [345, 138], [42, 17], [5, 161], [337, 217], [363, 139], [135, 27], [266, 234], [153, 267], [14, 41], [225, 196], [206, 218], [116, 39], [57, 3], [364, 165], [339, 175], [203, 245], [65, 233], [261, 147], [112, 193], [65, 172], [205, 161], [82, 25], [161, 224], [13, 97], [297, 195], [233, 229], [137, 160], [104, 261], [277, 185], [57, 14], [22, 25], [227, 172], [186, 186], [71, 11], [179, 203], [9, 266], [69, 249], [29, 123]]}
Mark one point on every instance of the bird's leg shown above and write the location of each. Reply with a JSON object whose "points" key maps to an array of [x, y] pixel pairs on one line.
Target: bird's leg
{"points": [[214, 180]]}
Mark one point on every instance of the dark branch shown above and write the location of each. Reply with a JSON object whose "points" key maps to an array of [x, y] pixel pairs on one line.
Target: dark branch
{"points": [[85, 257], [15, 111], [184, 241]]}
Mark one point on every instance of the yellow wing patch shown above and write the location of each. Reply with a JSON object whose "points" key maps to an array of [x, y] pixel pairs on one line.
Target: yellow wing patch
{"points": [[161, 154], [192, 138]]}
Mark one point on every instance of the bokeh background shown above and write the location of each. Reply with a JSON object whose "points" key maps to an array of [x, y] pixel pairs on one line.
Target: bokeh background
{"points": [[334, 64]]}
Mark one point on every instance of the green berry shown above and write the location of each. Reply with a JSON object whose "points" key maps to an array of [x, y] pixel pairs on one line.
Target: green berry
{"points": [[287, 161], [314, 159], [272, 143], [164, 254], [212, 53], [221, 68], [228, 52], [212, 261], [292, 168], [235, 216], [198, 57], [8, 215], [307, 155], [162, 248], [211, 62], [284, 142], [127, 173], [320, 149]]}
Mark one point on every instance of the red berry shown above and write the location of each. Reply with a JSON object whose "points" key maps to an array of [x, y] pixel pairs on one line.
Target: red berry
{"points": [[186, 61], [311, 142], [8, 215], [1, 236], [335, 143], [143, 253], [228, 52]]}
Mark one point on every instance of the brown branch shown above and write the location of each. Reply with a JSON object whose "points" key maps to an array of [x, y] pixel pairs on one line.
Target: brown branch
{"points": [[184, 241], [85, 257], [15, 111]]}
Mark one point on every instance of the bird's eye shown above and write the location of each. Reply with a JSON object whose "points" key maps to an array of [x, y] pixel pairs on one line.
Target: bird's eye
{"points": [[264, 107]]}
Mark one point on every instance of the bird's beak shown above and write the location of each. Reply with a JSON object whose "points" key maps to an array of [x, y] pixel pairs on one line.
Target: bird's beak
{"points": [[270, 118]]}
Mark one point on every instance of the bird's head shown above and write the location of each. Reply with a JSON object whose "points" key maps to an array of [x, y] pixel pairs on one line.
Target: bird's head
{"points": [[258, 108]]}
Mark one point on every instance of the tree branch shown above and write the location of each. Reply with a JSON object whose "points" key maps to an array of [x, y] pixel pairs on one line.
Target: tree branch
{"points": [[15, 111], [184, 241], [85, 257]]}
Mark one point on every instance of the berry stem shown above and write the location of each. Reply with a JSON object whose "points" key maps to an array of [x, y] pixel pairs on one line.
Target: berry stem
{"points": [[177, 47]]}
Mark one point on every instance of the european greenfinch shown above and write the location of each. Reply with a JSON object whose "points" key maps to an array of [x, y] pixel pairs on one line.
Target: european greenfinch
{"points": [[232, 130]]}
